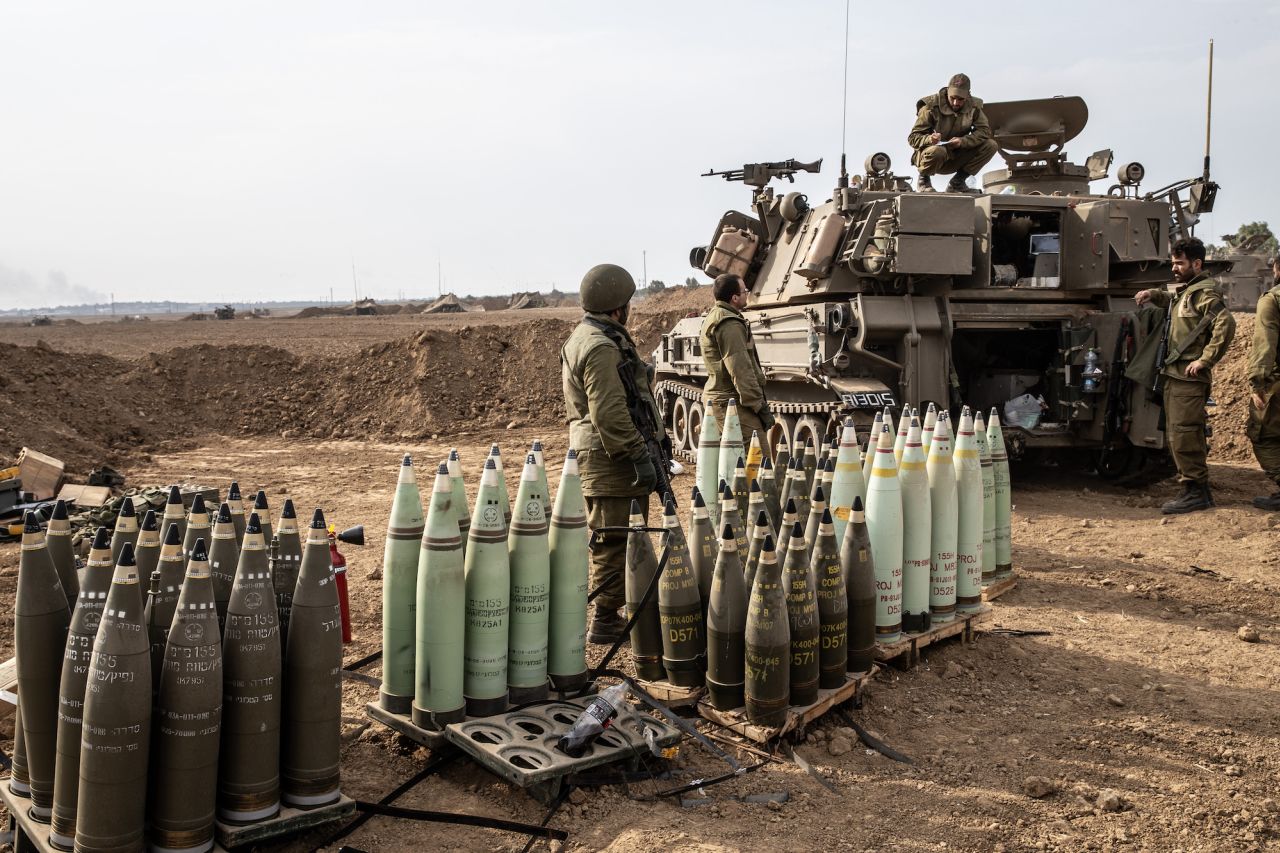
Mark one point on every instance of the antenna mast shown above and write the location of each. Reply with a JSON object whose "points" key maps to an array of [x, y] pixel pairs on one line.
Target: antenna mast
{"points": [[844, 107], [1208, 118]]}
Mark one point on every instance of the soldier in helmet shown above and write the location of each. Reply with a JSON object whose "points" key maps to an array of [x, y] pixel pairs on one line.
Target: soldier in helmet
{"points": [[613, 459], [951, 135], [733, 368], [1264, 385], [1199, 329]]}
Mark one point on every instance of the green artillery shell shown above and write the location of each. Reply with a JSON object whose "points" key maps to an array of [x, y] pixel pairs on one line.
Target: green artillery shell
{"points": [[488, 580], [460, 509], [235, 501], [161, 607], [988, 500], [116, 734], [40, 634], [58, 540], [969, 512], [802, 616], [756, 505], [759, 531], [929, 424], [544, 486], [496, 455], [833, 606], [224, 555], [827, 474], [781, 458], [729, 515], [703, 548], [285, 573], [708, 469], [767, 687], [817, 507], [249, 761], [175, 513], [884, 521], [146, 552], [188, 723], [943, 518], [726, 627], [400, 592], [530, 568], [264, 515], [860, 587], [199, 526], [873, 441], [19, 775], [684, 646], [441, 613], [917, 521], [312, 716], [789, 518], [799, 493], [808, 467], [769, 488], [126, 529], [1004, 496], [646, 631], [570, 567], [848, 482], [731, 450], [741, 487], [85, 618]]}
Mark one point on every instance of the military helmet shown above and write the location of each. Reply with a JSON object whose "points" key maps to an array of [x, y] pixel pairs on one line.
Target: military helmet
{"points": [[606, 287], [958, 86]]}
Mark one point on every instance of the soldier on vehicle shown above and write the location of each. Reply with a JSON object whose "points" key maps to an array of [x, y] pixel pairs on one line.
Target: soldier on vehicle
{"points": [[951, 134], [604, 381], [1198, 330], [733, 367], [1264, 383]]}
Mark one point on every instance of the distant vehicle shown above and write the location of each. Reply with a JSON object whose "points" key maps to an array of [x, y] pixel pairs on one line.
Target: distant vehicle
{"points": [[42, 320], [224, 312]]}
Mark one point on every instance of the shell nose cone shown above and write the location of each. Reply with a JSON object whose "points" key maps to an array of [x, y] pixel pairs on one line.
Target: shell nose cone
{"points": [[199, 551], [150, 522], [60, 511], [175, 495], [102, 539], [233, 492], [317, 519], [254, 524], [126, 508], [197, 504], [224, 513], [260, 500], [171, 536], [31, 524], [126, 557], [288, 511]]}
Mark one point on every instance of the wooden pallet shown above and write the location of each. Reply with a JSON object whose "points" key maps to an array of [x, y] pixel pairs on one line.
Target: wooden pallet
{"points": [[999, 587], [671, 695], [964, 626], [797, 718], [30, 836]]}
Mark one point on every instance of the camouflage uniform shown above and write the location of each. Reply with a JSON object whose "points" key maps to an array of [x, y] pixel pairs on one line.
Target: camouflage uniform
{"points": [[733, 369], [935, 115], [1200, 329], [608, 444], [1264, 380]]}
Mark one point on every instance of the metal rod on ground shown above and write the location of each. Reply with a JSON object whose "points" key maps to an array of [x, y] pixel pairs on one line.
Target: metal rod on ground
{"points": [[463, 819], [715, 780], [551, 811], [395, 794], [364, 661]]}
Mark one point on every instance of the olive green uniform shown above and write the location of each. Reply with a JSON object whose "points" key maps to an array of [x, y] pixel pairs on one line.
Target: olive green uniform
{"points": [[1264, 380], [935, 115], [1200, 329], [607, 442], [733, 369]]}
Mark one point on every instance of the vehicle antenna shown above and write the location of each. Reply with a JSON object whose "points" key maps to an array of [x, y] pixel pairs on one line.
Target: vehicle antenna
{"points": [[844, 110], [1208, 118]]}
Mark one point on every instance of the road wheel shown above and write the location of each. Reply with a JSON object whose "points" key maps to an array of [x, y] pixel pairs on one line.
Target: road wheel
{"points": [[695, 424], [809, 428], [680, 423], [785, 426]]}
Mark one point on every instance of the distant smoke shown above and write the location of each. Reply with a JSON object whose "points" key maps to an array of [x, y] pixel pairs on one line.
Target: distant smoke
{"points": [[21, 289]]}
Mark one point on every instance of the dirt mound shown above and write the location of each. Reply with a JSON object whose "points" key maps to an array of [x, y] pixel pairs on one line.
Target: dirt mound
{"points": [[683, 299], [1231, 392], [320, 311]]}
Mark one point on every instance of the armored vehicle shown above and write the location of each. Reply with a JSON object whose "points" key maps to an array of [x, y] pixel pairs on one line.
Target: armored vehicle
{"points": [[882, 296]]}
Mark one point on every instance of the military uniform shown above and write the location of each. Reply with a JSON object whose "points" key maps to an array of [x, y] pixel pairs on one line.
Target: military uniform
{"points": [[1200, 329], [935, 115], [1264, 380], [608, 444], [733, 369]]}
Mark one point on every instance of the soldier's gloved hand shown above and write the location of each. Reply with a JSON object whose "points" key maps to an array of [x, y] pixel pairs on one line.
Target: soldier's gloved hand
{"points": [[766, 420], [646, 474]]}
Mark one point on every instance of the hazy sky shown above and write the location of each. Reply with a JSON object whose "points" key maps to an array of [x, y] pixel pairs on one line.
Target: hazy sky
{"points": [[234, 151]]}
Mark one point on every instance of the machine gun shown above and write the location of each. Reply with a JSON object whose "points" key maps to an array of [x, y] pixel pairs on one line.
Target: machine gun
{"points": [[759, 174]]}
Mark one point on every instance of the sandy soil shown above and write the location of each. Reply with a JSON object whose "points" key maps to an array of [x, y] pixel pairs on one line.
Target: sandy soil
{"points": [[1141, 716]]}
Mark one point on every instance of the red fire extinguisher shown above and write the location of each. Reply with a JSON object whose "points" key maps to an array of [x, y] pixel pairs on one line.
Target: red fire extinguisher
{"points": [[340, 578]]}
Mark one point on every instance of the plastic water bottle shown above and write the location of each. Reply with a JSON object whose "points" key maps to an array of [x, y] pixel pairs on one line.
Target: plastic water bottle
{"points": [[1091, 371], [592, 722]]}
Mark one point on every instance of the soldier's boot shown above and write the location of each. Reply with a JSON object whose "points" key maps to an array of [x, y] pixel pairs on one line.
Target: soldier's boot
{"points": [[925, 184], [1194, 497], [959, 183], [1271, 502], [606, 626]]}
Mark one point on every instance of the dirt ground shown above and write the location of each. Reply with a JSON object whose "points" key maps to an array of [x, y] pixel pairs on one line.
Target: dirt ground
{"points": [[1140, 719]]}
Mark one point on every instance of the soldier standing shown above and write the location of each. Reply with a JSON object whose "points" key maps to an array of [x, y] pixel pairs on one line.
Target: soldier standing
{"points": [[951, 134], [733, 367], [1198, 330], [615, 463], [1264, 383]]}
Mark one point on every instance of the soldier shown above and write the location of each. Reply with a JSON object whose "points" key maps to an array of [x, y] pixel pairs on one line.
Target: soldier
{"points": [[615, 464], [951, 134], [1198, 331], [1264, 383], [733, 368]]}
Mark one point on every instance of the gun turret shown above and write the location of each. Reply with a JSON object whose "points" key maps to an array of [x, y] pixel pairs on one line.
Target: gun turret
{"points": [[759, 174]]}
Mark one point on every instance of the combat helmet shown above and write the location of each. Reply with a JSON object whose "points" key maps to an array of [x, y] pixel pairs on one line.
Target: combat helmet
{"points": [[605, 288]]}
